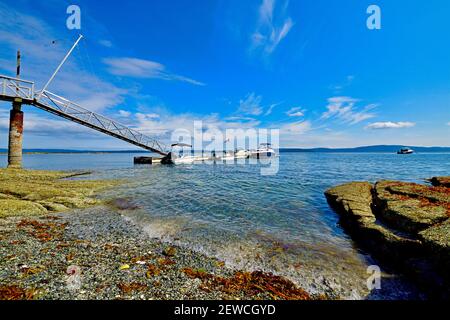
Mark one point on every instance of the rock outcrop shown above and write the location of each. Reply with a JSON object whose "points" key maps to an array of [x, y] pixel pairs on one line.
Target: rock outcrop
{"points": [[405, 225], [33, 192], [440, 181]]}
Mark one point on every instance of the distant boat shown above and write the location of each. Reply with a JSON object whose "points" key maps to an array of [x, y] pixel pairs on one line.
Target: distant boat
{"points": [[264, 151], [405, 151]]}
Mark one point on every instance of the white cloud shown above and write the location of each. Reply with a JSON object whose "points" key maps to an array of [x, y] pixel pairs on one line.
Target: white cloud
{"points": [[38, 124], [271, 107], [448, 123], [124, 113], [251, 105], [301, 127], [42, 53], [140, 68], [272, 29], [296, 112], [343, 108], [106, 43], [339, 87], [239, 119], [163, 124], [390, 125]]}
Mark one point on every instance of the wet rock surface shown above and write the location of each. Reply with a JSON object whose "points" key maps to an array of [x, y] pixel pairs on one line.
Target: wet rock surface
{"points": [[404, 225]]}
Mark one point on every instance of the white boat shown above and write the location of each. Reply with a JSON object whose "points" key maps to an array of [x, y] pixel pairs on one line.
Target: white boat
{"points": [[405, 151], [264, 151], [183, 157], [234, 155], [184, 160], [229, 156], [241, 154]]}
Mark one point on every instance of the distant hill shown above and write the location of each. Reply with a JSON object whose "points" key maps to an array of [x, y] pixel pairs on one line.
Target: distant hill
{"points": [[75, 151], [379, 148]]}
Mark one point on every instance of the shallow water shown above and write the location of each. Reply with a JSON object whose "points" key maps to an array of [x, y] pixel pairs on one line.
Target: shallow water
{"points": [[279, 223]]}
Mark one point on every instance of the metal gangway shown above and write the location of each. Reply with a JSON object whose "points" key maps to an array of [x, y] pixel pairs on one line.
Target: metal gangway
{"points": [[14, 88]]}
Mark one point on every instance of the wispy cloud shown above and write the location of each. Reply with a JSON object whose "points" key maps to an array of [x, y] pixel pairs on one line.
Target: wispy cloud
{"points": [[390, 125], [273, 26], [297, 128], [271, 107], [251, 105], [140, 68], [164, 123], [296, 112], [239, 118], [124, 113], [42, 53], [343, 109], [337, 88], [105, 43], [37, 124]]}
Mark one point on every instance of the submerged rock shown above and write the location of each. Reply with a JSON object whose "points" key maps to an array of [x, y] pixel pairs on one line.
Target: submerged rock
{"points": [[405, 225], [440, 181]]}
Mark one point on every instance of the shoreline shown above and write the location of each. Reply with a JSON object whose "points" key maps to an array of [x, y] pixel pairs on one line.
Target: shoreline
{"points": [[114, 259], [97, 251], [90, 251]]}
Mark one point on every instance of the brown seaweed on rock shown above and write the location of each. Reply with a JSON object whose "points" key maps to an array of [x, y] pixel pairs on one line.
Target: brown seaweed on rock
{"points": [[251, 284], [14, 292]]}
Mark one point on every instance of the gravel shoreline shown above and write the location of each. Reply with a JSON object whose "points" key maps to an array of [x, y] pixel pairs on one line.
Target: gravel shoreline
{"points": [[97, 254]]}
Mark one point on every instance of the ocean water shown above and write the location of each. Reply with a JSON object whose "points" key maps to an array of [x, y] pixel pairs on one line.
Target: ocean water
{"points": [[280, 223]]}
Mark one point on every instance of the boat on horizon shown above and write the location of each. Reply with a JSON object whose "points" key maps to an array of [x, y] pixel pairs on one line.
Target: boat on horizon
{"points": [[405, 151]]}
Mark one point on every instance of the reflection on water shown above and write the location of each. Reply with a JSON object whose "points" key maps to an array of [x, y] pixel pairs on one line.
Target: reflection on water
{"points": [[278, 223]]}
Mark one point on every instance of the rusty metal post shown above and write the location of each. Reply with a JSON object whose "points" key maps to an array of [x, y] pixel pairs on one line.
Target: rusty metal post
{"points": [[16, 129]]}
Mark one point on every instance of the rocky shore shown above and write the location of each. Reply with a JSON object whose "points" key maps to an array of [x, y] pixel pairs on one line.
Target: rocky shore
{"points": [[52, 248], [37, 192], [406, 226]]}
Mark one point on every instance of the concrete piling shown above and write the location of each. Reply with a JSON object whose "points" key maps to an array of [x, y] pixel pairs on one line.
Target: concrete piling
{"points": [[15, 135]]}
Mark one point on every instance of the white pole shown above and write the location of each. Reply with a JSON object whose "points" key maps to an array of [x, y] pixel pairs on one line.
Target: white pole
{"points": [[59, 67]]}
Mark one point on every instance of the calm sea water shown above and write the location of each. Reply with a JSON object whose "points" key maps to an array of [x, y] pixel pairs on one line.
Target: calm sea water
{"points": [[279, 223]]}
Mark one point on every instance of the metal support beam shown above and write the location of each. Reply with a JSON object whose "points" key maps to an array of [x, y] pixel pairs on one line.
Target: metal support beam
{"points": [[59, 67], [22, 92]]}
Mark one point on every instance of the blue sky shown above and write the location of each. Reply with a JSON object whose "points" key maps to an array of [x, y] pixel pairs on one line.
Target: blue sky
{"points": [[309, 68]]}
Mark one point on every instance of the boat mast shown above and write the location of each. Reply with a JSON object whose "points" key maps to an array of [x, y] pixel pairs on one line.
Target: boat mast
{"points": [[59, 67]]}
